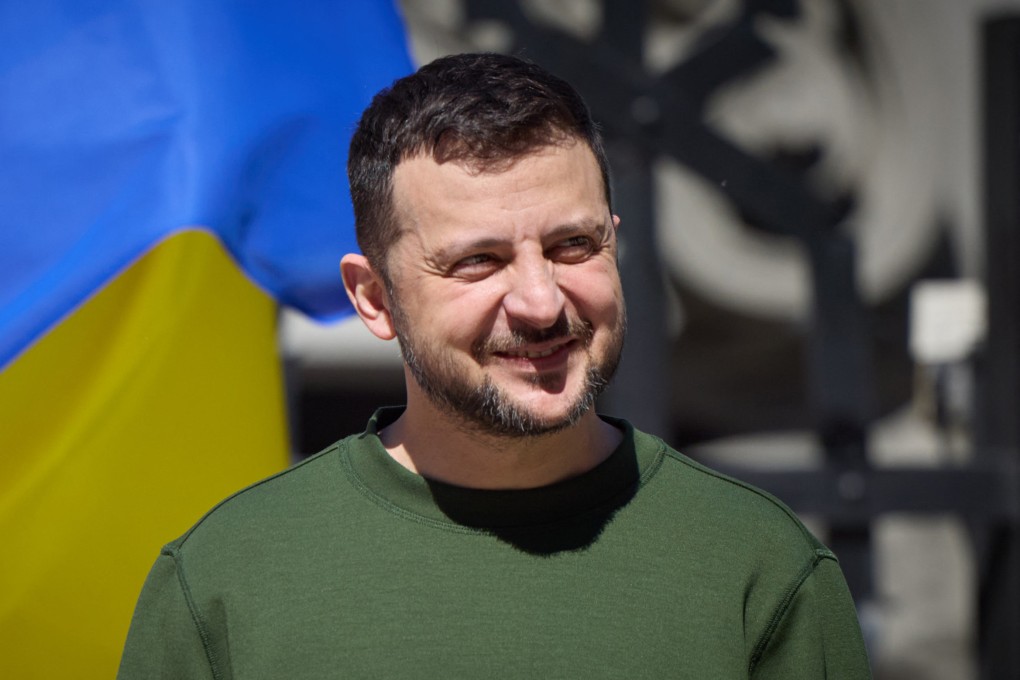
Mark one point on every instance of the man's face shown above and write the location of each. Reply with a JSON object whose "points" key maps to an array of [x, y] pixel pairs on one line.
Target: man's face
{"points": [[506, 296]]}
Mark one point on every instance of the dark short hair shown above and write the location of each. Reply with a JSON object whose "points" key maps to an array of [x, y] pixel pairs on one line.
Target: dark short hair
{"points": [[482, 109]]}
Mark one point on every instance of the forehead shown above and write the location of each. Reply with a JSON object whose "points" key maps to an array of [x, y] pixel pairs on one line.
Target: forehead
{"points": [[554, 183]]}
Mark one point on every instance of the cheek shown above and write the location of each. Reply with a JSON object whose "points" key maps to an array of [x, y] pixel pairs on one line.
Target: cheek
{"points": [[456, 315], [596, 292]]}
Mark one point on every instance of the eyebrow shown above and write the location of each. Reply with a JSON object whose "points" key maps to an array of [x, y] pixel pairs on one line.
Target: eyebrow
{"points": [[587, 225]]}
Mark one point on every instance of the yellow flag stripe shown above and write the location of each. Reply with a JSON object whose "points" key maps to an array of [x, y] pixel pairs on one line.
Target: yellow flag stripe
{"points": [[120, 427]]}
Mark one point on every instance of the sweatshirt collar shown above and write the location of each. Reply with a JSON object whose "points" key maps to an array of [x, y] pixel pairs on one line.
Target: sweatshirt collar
{"points": [[604, 488]]}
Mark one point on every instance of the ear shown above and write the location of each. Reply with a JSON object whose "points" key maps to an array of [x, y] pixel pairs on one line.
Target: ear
{"points": [[616, 222], [367, 293]]}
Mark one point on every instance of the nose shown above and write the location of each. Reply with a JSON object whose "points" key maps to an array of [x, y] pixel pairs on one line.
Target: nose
{"points": [[534, 296]]}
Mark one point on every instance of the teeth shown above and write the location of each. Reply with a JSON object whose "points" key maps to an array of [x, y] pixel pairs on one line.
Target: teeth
{"points": [[534, 355]]}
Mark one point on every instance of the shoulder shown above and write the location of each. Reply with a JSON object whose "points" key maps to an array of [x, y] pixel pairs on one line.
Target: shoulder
{"points": [[278, 505], [743, 549], [700, 499]]}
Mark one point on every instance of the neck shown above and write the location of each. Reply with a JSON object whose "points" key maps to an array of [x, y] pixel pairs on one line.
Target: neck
{"points": [[436, 445]]}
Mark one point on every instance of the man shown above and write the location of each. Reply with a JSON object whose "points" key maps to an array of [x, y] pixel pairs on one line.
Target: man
{"points": [[495, 526]]}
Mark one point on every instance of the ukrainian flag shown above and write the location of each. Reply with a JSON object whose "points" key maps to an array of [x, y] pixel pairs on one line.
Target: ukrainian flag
{"points": [[170, 172]]}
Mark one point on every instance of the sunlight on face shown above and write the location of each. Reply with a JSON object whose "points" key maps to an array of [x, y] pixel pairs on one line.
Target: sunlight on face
{"points": [[505, 297]]}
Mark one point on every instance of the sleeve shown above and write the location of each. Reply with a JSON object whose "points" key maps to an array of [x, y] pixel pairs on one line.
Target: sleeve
{"points": [[164, 640], [816, 633]]}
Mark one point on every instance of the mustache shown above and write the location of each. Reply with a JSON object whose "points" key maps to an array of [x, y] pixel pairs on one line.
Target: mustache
{"points": [[518, 337]]}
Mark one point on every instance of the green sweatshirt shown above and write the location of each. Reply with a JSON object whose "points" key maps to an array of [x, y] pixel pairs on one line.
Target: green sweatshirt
{"points": [[350, 566]]}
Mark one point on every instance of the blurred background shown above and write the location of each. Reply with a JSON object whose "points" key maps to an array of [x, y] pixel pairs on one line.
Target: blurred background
{"points": [[820, 247]]}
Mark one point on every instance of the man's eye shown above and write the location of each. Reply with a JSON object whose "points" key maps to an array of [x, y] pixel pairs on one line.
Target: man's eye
{"points": [[474, 265], [474, 259], [574, 249]]}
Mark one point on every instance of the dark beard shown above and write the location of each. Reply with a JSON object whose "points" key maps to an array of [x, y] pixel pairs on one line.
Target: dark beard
{"points": [[485, 407]]}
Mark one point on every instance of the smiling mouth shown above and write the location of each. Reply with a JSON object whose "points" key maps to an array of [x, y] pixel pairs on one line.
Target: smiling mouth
{"points": [[533, 354], [543, 347]]}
